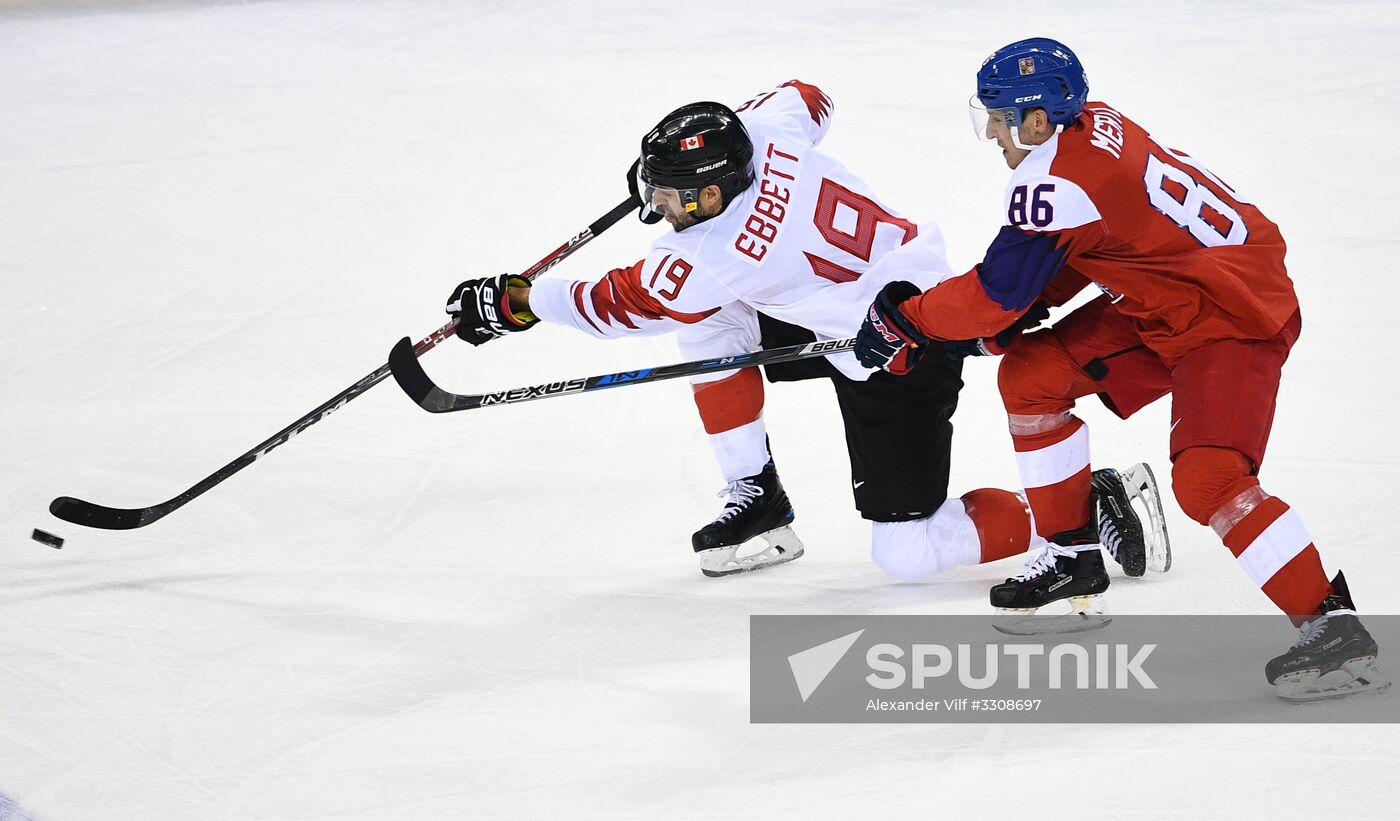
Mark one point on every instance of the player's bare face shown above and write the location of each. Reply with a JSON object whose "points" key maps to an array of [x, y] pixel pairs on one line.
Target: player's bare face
{"points": [[1034, 129], [667, 202], [1014, 155]]}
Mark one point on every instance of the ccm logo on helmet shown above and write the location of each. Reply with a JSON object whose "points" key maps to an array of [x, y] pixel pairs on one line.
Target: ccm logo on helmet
{"points": [[1029, 99]]}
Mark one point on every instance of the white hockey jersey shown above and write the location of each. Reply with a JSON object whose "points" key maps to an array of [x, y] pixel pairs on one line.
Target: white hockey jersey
{"points": [[800, 245]]}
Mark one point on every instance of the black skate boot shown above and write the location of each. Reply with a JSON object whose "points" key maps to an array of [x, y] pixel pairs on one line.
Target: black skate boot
{"points": [[1069, 566], [1136, 545], [758, 507], [1334, 656]]}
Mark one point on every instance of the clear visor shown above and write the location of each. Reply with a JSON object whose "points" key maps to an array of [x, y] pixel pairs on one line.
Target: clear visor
{"points": [[665, 200], [670, 202], [1000, 125]]}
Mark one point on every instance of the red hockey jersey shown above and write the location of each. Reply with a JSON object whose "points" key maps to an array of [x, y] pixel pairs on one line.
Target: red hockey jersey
{"points": [[1181, 252]]}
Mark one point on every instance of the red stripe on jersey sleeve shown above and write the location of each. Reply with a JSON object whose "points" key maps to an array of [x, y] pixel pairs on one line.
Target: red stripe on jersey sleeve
{"points": [[610, 305], [578, 305], [620, 298], [818, 104]]}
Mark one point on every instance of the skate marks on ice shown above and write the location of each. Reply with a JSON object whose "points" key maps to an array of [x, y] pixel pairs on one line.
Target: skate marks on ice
{"points": [[10, 811]]}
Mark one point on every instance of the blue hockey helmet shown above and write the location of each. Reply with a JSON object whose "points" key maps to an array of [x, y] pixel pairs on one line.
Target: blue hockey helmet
{"points": [[1034, 73]]}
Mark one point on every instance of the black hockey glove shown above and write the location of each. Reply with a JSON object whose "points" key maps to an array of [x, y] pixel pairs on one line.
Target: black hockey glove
{"points": [[634, 182], [997, 345], [482, 309], [887, 339]]}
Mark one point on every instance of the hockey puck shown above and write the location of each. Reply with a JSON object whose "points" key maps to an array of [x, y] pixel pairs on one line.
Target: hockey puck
{"points": [[45, 537]]}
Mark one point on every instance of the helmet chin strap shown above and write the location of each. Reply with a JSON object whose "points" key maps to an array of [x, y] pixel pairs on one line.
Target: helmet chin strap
{"points": [[1016, 138]]}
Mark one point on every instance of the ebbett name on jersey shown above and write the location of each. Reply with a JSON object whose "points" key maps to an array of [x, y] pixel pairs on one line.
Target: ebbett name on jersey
{"points": [[800, 244]]}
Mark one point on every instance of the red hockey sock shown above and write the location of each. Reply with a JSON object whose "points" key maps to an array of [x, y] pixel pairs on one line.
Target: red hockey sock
{"points": [[1217, 486], [1055, 472], [1274, 548], [731, 402], [1002, 520]]}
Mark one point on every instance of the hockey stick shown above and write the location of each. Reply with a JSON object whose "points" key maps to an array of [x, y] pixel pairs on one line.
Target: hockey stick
{"points": [[416, 383], [89, 514]]}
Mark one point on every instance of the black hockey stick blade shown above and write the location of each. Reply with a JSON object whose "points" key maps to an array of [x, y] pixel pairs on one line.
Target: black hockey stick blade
{"points": [[403, 363], [80, 512], [409, 373], [418, 385], [91, 514]]}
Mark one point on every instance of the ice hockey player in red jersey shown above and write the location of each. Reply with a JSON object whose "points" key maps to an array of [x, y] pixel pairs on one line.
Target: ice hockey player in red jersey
{"points": [[1196, 302], [773, 243]]}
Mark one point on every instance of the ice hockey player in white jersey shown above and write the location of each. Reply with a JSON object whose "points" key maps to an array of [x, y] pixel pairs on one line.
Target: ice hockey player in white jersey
{"points": [[775, 243]]}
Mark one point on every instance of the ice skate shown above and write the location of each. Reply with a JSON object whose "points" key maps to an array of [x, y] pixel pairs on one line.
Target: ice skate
{"points": [[1334, 657], [1131, 523], [1068, 568], [758, 509]]}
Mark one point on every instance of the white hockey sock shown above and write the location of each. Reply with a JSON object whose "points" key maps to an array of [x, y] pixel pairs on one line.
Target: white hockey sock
{"points": [[741, 451], [923, 547]]}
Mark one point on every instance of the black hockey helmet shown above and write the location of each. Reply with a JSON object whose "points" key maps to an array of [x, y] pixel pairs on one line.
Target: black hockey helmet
{"points": [[695, 146]]}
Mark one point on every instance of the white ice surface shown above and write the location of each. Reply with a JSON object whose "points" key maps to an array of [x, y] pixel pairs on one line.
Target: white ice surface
{"points": [[215, 216]]}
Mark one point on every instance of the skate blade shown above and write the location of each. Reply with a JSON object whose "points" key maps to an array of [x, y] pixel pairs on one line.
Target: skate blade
{"points": [[1086, 613], [1359, 676], [1146, 499], [783, 546]]}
